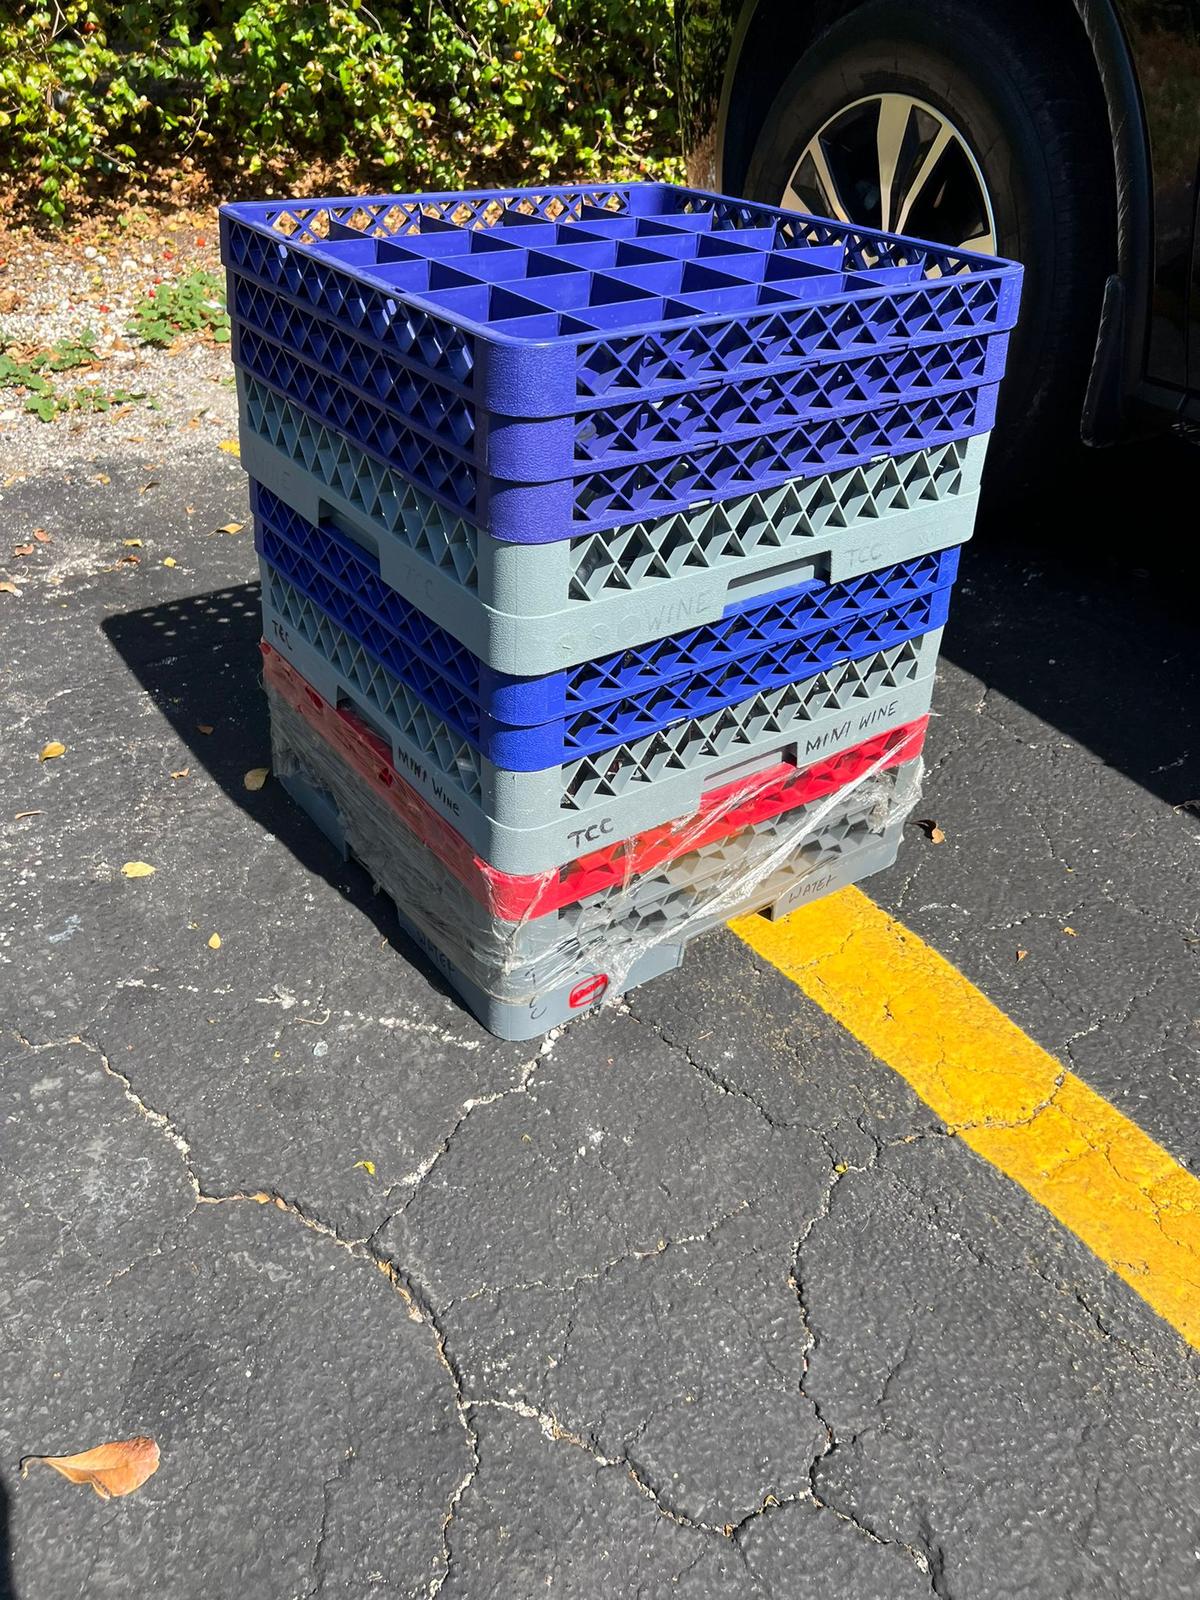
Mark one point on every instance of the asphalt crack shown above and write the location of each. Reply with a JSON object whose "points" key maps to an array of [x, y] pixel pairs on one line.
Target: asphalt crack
{"points": [[555, 1431], [661, 1247], [418, 1308], [413, 1180], [715, 1080], [838, 1171], [157, 1119], [319, 1561]]}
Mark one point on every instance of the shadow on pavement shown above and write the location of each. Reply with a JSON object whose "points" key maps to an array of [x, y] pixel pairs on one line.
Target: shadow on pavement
{"points": [[7, 1588], [198, 660], [1081, 608]]}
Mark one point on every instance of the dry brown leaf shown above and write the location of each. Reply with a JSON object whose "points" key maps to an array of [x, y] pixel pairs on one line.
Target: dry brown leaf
{"points": [[21, 815], [9, 588], [112, 1469], [153, 484], [214, 942], [1021, 954], [231, 447], [22, 550], [129, 560], [231, 527], [932, 832], [51, 751], [256, 777], [204, 727], [137, 869], [42, 536], [182, 773]]}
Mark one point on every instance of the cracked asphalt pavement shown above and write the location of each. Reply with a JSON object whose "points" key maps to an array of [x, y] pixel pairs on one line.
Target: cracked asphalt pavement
{"points": [[695, 1298]]}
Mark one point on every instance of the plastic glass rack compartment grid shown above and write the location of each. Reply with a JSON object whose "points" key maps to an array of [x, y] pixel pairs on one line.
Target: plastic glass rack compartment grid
{"points": [[528, 723], [510, 897], [552, 362], [533, 608], [621, 938], [530, 821]]}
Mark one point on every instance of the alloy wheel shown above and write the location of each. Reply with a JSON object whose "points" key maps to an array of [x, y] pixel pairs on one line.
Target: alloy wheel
{"points": [[894, 162]]}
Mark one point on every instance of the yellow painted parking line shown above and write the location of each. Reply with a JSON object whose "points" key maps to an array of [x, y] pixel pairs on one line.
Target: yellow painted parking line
{"points": [[1129, 1201]]}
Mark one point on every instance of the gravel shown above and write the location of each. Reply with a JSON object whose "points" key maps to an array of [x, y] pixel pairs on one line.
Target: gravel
{"points": [[57, 286]]}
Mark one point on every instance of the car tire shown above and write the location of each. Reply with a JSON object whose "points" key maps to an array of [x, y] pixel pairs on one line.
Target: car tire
{"points": [[1023, 95]]}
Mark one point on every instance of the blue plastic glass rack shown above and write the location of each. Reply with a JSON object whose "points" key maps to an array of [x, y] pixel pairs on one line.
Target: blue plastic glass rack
{"points": [[554, 362]]}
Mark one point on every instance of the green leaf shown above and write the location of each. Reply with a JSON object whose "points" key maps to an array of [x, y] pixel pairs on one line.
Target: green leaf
{"points": [[431, 94]]}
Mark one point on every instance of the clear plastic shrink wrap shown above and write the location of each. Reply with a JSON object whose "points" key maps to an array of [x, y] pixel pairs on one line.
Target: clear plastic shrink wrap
{"points": [[528, 952]]}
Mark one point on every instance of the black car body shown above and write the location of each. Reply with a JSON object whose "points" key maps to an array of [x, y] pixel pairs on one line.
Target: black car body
{"points": [[1133, 67]]}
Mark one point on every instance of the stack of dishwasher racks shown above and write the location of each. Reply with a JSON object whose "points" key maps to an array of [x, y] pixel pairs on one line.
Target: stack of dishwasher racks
{"points": [[606, 540]]}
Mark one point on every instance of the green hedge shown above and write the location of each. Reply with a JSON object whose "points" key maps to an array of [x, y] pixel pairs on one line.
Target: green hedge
{"points": [[417, 94]]}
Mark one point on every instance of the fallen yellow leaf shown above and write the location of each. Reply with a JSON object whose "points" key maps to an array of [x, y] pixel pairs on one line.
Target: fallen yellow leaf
{"points": [[214, 942], [256, 777], [137, 869], [231, 447], [1072, 932], [135, 544], [232, 527], [9, 588], [103, 477], [168, 561], [367, 1166], [182, 773], [111, 1469], [50, 751]]}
